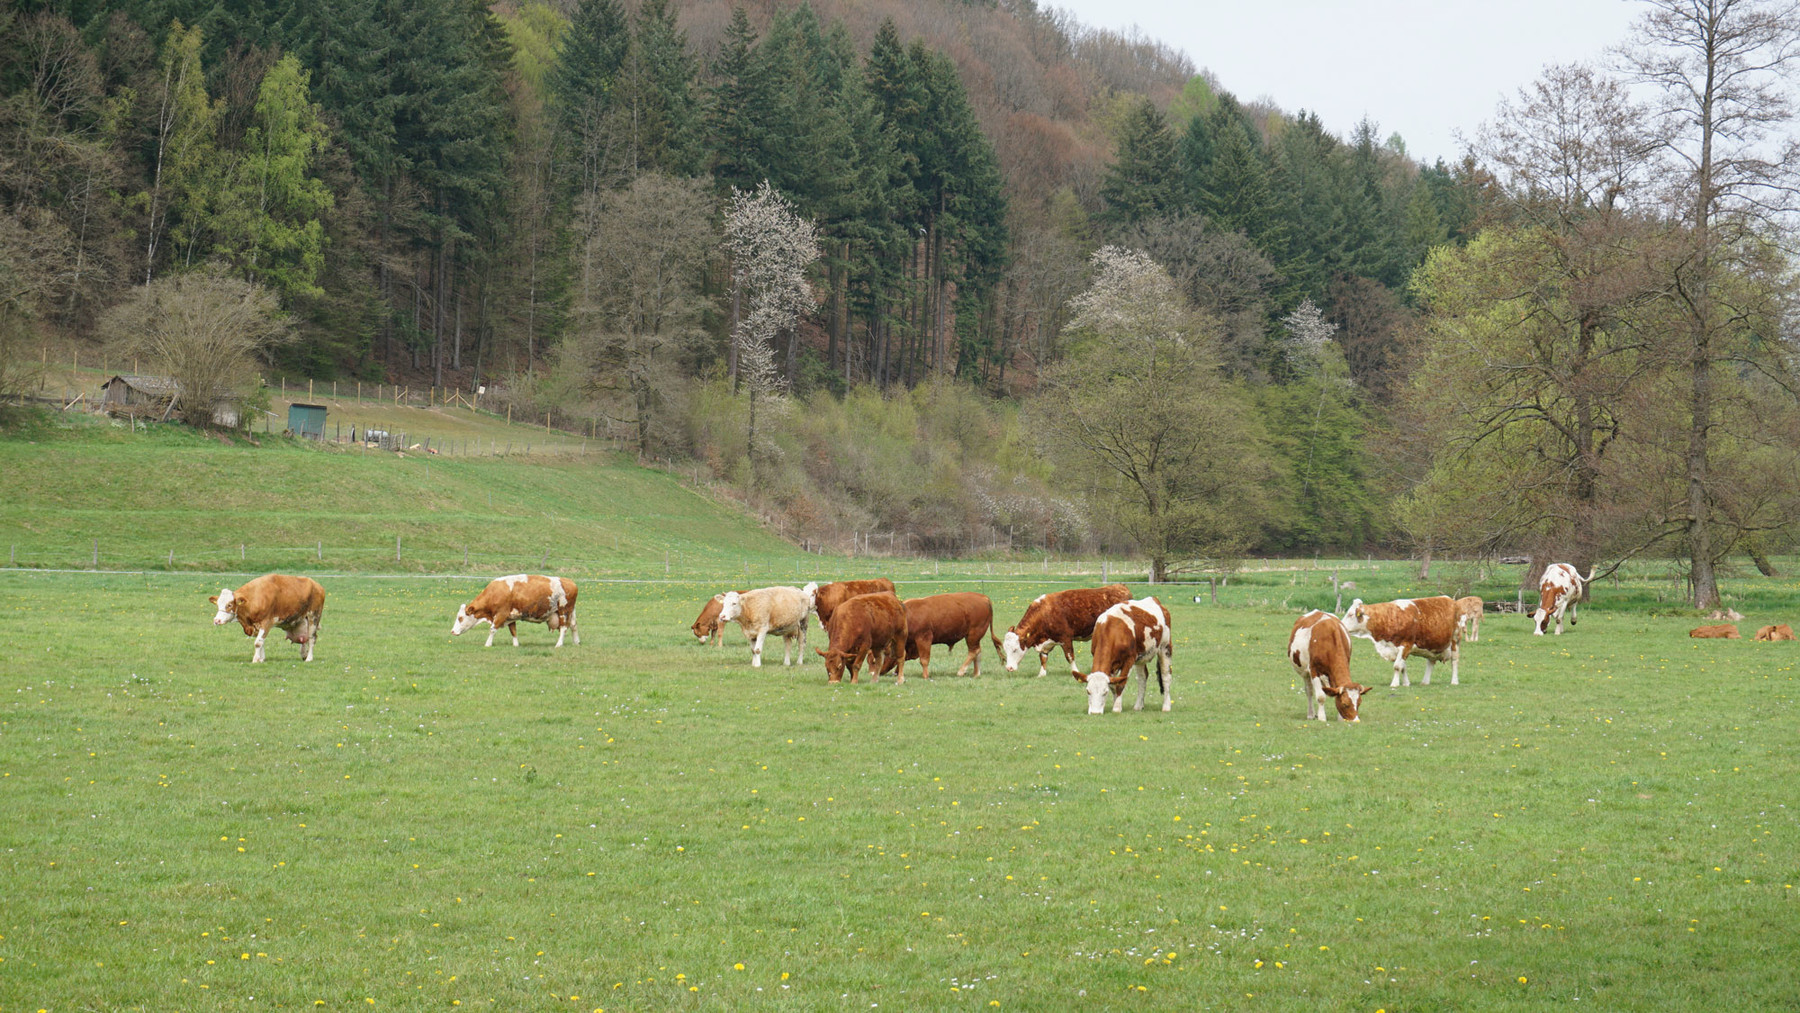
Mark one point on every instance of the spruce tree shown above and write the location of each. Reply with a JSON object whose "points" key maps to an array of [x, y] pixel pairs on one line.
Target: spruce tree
{"points": [[1144, 179]]}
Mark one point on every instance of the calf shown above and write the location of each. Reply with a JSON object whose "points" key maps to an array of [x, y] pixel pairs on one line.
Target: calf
{"points": [[708, 626], [1782, 632], [863, 627], [947, 619], [765, 610], [1558, 589], [1320, 651], [827, 597], [521, 597], [1423, 626], [295, 604], [1468, 616], [1726, 631], [1060, 617], [1128, 634]]}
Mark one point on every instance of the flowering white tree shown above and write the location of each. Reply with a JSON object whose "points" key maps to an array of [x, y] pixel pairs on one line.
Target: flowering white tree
{"points": [[771, 247]]}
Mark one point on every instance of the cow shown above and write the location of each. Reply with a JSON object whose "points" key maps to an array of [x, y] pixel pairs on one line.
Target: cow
{"points": [[827, 597], [1128, 634], [1782, 632], [963, 616], [1399, 629], [293, 603], [1060, 617], [765, 610], [521, 597], [1320, 651], [868, 626], [708, 626], [1726, 631], [1468, 616], [1559, 588]]}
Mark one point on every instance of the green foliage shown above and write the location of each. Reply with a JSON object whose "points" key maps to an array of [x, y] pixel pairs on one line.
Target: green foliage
{"points": [[1144, 179]]}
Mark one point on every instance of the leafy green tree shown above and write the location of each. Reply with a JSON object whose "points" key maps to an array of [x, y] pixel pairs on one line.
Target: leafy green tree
{"points": [[1144, 179], [185, 171], [584, 86]]}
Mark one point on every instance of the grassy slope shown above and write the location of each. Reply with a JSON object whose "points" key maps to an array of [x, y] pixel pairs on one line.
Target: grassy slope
{"points": [[143, 495], [1603, 816]]}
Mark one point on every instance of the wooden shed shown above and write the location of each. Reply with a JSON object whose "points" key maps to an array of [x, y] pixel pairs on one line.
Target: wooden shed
{"points": [[307, 420], [153, 396]]}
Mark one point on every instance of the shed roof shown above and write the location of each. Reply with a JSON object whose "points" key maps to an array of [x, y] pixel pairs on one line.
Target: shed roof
{"points": [[158, 385]]}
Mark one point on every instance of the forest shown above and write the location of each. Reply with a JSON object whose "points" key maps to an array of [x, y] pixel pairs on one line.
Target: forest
{"points": [[962, 275]]}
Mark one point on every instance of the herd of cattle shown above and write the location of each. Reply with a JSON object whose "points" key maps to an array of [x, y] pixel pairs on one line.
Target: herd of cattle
{"points": [[867, 622]]}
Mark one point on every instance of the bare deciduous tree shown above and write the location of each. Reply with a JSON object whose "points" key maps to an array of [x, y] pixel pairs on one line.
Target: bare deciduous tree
{"points": [[205, 329]]}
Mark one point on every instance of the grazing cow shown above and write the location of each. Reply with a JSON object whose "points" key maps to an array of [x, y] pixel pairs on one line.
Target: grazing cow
{"points": [[946, 619], [1468, 616], [1407, 626], [1782, 632], [708, 626], [868, 626], [293, 603], [1558, 589], [521, 597], [765, 610], [1726, 631], [1060, 617], [1128, 634], [827, 597], [1320, 651]]}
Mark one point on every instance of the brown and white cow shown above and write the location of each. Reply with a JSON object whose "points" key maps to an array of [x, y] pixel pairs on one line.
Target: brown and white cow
{"points": [[827, 597], [1060, 617], [1559, 589], [1405, 627], [521, 597], [1781, 632], [780, 610], [868, 627], [1725, 631], [295, 604], [708, 626], [962, 616], [1320, 651], [1468, 615], [1130, 633]]}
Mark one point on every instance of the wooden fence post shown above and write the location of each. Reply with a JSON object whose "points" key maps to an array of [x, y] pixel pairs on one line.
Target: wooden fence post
{"points": [[396, 548]]}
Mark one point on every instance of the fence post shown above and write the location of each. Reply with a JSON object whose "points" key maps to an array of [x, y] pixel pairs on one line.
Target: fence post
{"points": [[1212, 586], [396, 548], [171, 559], [96, 553], [320, 549], [465, 557], [240, 552]]}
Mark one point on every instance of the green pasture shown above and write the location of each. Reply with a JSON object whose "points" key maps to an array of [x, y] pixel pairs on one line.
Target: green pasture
{"points": [[1601, 820]]}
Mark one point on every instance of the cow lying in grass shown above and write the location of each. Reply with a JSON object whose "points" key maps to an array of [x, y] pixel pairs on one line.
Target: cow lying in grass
{"points": [[1126, 635], [522, 597], [1724, 631], [1782, 632], [295, 604], [765, 610], [869, 627]]}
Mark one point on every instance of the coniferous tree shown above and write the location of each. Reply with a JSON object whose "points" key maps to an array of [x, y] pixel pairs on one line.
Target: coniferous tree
{"points": [[1144, 179]]}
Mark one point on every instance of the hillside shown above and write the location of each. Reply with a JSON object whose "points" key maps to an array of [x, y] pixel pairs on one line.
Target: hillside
{"points": [[74, 481]]}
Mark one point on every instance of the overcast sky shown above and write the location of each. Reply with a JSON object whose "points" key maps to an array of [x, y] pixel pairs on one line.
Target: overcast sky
{"points": [[1421, 68]]}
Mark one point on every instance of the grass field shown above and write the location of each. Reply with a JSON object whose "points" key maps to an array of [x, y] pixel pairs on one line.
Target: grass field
{"points": [[1599, 820]]}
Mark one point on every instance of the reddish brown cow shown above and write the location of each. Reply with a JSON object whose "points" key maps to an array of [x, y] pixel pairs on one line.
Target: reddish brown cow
{"points": [[827, 597], [532, 598], [1782, 632], [862, 627], [946, 619], [1426, 627], [709, 625], [1060, 617], [1725, 631], [295, 604], [1129, 634], [1320, 651]]}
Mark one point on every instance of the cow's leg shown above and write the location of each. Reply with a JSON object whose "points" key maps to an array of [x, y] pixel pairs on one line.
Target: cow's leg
{"points": [[756, 649], [257, 655], [1165, 669], [1044, 659], [973, 658], [1143, 667], [1475, 627], [310, 630], [1119, 692], [574, 631], [1068, 647], [787, 649], [1427, 680], [923, 650], [512, 627], [493, 628], [1455, 654], [896, 659], [802, 662], [1400, 676], [562, 630]]}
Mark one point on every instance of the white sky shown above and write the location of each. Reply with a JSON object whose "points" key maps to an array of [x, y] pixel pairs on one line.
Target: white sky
{"points": [[1419, 68]]}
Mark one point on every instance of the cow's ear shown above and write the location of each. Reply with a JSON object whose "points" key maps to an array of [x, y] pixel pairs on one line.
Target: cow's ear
{"points": [[1332, 690], [214, 599], [1365, 689]]}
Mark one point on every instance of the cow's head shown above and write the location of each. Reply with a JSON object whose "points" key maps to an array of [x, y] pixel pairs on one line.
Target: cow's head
{"points": [[227, 603], [1011, 650], [1356, 618], [731, 607], [1099, 684], [708, 622], [1347, 698], [834, 664], [464, 622]]}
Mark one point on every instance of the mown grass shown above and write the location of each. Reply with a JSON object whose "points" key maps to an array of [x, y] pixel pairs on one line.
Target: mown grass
{"points": [[1602, 819]]}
